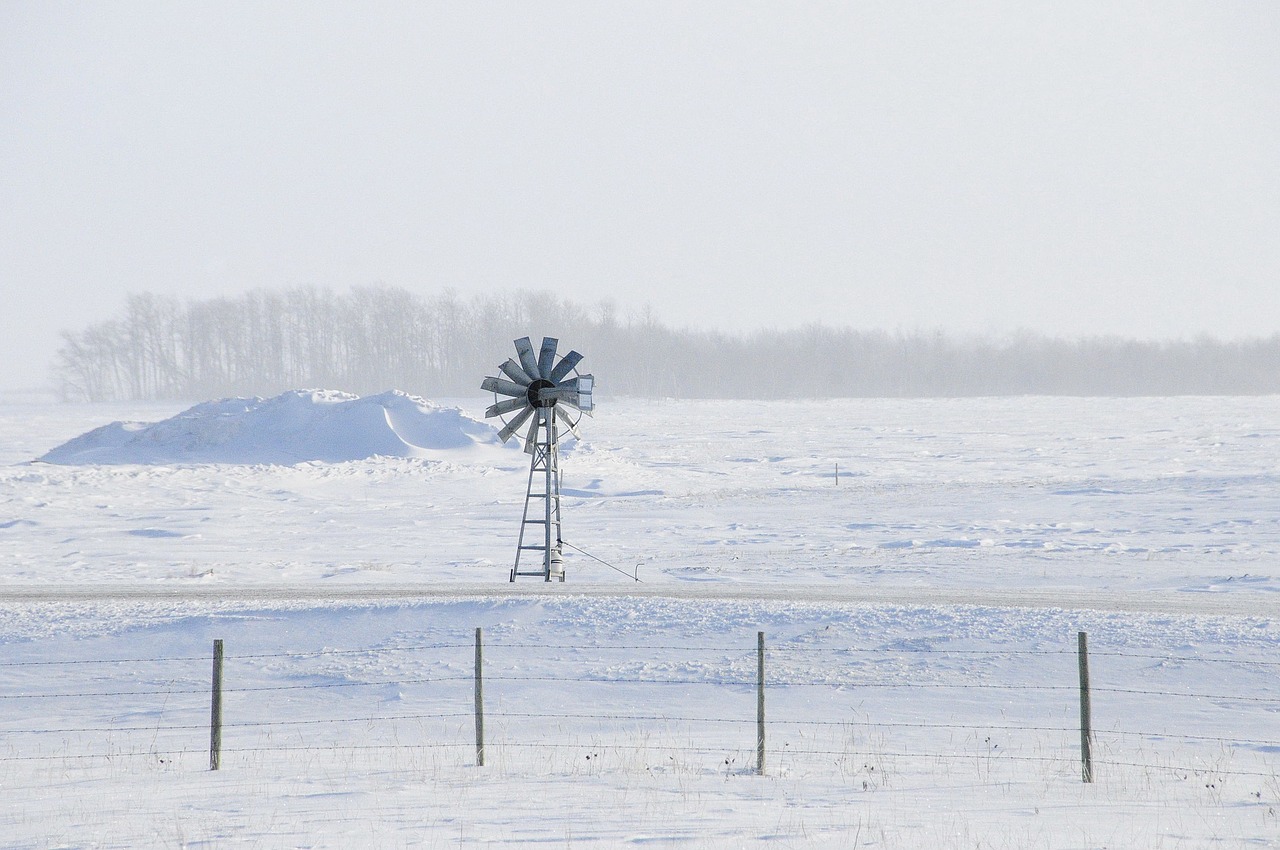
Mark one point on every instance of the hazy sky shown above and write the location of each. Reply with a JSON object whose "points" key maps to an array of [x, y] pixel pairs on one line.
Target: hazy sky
{"points": [[1081, 167]]}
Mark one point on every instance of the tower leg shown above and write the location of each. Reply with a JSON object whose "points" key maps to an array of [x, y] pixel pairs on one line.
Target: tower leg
{"points": [[546, 486]]}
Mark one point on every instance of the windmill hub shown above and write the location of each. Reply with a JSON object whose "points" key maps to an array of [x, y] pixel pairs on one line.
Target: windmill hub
{"points": [[537, 396], [547, 392]]}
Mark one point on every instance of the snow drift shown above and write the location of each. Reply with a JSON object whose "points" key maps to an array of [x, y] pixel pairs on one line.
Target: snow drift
{"points": [[294, 427]]}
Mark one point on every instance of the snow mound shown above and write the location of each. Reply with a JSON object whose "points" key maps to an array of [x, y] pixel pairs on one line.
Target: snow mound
{"points": [[294, 427]]}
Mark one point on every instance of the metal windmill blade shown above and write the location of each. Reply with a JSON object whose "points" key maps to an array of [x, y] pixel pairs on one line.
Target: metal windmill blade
{"points": [[515, 372], [529, 362], [568, 422], [547, 356], [507, 388], [550, 397], [511, 427], [564, 367], [511, 405]]}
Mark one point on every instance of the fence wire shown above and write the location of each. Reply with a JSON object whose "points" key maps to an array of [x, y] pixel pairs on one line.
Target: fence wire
{"points": [[177, 716]]}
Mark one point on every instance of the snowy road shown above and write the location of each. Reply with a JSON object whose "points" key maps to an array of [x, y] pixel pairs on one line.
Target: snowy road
{"points": [[1243, 604]]}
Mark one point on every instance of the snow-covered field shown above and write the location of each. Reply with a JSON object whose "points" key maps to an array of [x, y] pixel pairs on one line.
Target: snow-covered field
{"points": [[920, 615]]}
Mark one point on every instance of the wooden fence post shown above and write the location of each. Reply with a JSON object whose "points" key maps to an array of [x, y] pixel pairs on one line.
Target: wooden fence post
{"points": [[479, 698], [760, 703], [1086, 719], [215, 710]]}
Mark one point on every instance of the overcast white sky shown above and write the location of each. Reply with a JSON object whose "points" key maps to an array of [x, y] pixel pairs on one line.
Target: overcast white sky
{"points": [[1069, 168]]}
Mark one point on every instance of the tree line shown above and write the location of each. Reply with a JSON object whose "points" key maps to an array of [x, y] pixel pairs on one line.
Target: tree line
{"points": [[372, 339]]}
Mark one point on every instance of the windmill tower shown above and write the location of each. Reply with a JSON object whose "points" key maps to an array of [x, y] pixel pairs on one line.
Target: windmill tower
{"points": [[551, 395]]}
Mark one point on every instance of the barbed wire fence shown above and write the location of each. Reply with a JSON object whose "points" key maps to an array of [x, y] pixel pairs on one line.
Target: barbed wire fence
{"points": [[864, 712]]}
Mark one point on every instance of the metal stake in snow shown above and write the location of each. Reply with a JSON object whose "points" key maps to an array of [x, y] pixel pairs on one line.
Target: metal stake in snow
{"points": [[539, 389], [760, 703], [479, 697], [1086, 714], [215, 710]]}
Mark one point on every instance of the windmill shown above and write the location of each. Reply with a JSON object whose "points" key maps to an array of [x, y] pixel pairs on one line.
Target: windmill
{"points": [[551, 395]]}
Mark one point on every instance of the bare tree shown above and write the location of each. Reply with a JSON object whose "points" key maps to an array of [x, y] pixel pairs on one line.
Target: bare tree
{"points": [[380, 337]]}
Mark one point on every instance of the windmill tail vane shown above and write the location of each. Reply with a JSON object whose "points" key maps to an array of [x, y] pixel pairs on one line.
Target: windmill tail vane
{"points": [[550, 396]]}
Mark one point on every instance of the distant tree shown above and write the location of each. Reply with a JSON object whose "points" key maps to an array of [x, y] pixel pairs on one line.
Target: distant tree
{"points": [[379, 337]]}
